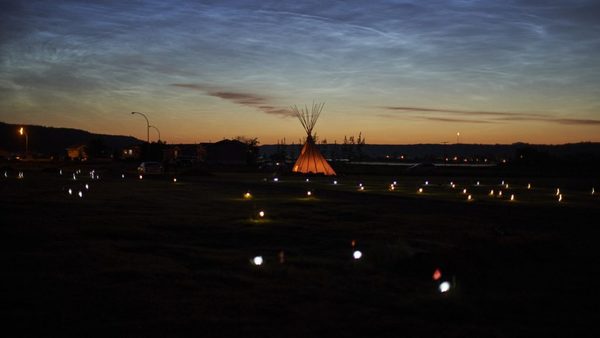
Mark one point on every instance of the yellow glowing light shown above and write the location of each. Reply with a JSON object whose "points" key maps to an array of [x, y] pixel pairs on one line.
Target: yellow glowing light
{"points": [[464, 191], [21, 131], [528, 185], [506, 185], [469, 197], [512, 197], [247, 195], [557, 191], [560, 197], [261, 214], [357, 254], [392, 187], [500, 193], [492, 192], [362, 188], [420, 190]]}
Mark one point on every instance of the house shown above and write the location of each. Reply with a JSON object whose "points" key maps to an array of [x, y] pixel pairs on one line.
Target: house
{"points": [[77, 152], [131, 153], [226, 152]]}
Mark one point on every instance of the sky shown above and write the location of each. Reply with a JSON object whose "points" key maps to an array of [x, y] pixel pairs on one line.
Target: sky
{"points": [[399, 72]]}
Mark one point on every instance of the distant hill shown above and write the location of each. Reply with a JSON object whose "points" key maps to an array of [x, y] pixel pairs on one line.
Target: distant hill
{"points": [[584, 151], [50, 140]]}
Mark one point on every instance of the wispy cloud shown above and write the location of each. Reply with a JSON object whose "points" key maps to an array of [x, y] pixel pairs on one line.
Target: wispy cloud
{"points": [[424, 113], [246, 99]]}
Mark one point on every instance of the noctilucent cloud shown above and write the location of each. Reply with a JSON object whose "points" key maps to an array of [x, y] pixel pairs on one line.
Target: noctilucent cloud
{"points": [[397, 71]]}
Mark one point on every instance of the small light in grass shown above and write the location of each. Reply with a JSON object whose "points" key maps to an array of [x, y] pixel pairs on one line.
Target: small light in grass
{"points": [[60, 171], [512, 197], [492, 192], [141, 177], [74, 177], [506, 185], [593, 191], [477, 184], [395, 183], [20, 176], [420, 190], [70, 191], [557, 191], [261, 214], [357, 254], [453, 185], [276, 179], [437, 274], [122, 175], [392, 187], [334, 181], [97, 177], [353, 243], [426, 182], [247, 195], [361, 188], [469, 197], [258, 260], [528, 185], [464, 191], [307, 180], [502, 182], [360, 185], [444, 287], [500, 193], [560, 197], [174, 179], [87, 187], [309, 193], [5, 174], [80, 194]]}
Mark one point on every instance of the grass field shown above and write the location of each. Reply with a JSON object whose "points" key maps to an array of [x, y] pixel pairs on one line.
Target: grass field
{"points": [[154, 257]]}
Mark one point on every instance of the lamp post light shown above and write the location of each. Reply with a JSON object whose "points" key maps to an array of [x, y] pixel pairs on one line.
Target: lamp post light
{"points": [[23, 132], [147, 125], [156, 130], [457, 137]]}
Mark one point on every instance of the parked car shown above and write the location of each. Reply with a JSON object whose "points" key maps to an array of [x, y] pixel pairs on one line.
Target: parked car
{"points": [[150, 168]]}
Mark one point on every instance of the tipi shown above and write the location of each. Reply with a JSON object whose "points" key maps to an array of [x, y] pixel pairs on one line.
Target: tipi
{"points": [[310, 160]]}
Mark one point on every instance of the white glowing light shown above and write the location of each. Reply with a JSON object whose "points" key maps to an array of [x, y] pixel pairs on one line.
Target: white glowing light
{"points": [[512, 197], [492, 192], [5, 174], [506, 185], [362, 188], [87, 187], [557, 191], [174, 179], [426, 182], [357, 254], [395, 183], [80, 194], [464, 191], [258, 260], [560, 197], [276, 179], [60, 172], [70, 192], [528, 185], [308, 193], [122, 175], [74, 177], [500, 193], [261, 214], [307, 180], [593, 191], [392, 187], [360, 184], [477, 183], [469, 197], [20, 176], [502, 183], [97, 177], [141, 177], [334, 181], [444, 287], [420, 190]]}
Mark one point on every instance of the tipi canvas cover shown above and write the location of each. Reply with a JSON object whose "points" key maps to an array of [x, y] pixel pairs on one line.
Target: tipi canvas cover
{"points": [[310, 160]]}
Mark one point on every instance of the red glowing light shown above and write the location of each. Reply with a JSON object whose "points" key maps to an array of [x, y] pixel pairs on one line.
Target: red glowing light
{"points": [[437, 274]]}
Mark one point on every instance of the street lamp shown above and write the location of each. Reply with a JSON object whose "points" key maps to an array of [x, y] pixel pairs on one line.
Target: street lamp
{"points": [[157, 131], [457, 137], [147, 125], [22, 132]]}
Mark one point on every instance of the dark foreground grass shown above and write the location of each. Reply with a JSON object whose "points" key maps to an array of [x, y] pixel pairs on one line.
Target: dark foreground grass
{"points": [[156, 258]]}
